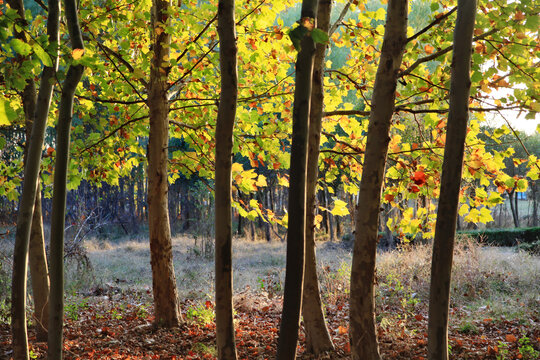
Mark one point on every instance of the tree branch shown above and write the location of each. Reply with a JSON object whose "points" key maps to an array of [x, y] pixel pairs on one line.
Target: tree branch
{"points": [[435, 22], [440, 53]]}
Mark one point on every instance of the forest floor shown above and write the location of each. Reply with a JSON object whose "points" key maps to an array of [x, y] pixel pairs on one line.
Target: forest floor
{"points": [[495, 307]]}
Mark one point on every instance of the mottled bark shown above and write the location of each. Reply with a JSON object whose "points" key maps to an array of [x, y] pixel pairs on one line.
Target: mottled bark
{"points": [[447, 212], [364, 345], [58, 214], [223, 210], [161, 258], [292, 298], [30, 182], [318, 339]]}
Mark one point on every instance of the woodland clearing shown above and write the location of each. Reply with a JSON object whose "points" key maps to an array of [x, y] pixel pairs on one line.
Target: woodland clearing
{"points": [[494, 308]]}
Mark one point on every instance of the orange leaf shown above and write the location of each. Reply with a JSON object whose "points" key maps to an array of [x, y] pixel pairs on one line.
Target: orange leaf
{"points": [[429, 49], [77, 54], [519, 16], [511, 338], [388, 197], [342, 330], [419, 178]]}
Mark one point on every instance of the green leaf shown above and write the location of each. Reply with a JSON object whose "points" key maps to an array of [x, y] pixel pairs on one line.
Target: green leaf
{"points": [[319, 36], [20, 47], [7, 114], [42, 55], [296, 35]]}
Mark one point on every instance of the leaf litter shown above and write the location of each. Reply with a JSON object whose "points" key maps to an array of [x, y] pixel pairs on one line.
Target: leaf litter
{"points": [[120, 326]]}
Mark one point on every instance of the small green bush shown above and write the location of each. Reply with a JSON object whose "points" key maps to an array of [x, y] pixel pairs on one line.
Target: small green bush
{"points": [[506, 237]]}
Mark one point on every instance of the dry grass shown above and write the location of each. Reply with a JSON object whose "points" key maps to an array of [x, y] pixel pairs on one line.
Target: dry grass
{"points": [[485, 280]]}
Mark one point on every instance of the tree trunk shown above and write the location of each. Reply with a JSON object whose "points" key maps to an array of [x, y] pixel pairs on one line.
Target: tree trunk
{"points": [[163, 278], [318, 339], [63, 130], [329, 216], [363, 334], [445, 228], [28, 197], [511, 196], [292, 298], [534, 194], [223, 210], [37, 256], [39, 272]]}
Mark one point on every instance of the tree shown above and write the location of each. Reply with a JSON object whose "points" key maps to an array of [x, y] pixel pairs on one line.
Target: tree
{"points": [[58, 215], [318, 339], [36, 252], [362, 297], [163, 278], [223, 211], [26, 206], [445, 228], [292, 298]]}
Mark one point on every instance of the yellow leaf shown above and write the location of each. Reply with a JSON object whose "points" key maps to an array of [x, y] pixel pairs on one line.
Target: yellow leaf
{"points": [[261, 181], [464, 209], [77, 54], [236, 167], [340, 208], [318, 220]]}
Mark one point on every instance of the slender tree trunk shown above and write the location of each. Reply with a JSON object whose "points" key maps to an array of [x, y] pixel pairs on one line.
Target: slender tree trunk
{"points": [[63, 130], [39, 272], [223, 217], [163, 278], [37, 256], [292, 298], [534, 194], [329, 216], [318, 339], [447, 212], [30, 188], [364, 345], [511, 199]]}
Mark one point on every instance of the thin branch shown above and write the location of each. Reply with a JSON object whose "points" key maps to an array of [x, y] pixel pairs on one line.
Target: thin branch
{"points": [[112, 133], [122, 60], [440, 53], [340, 17], [356, 85], [42, 5], [184, 125], [517, 137], [117, 68], [110, 101], [435, 22], [249, 13], [346, 112], [197, 37], [344, 143], [510, 61], [179, 80]]}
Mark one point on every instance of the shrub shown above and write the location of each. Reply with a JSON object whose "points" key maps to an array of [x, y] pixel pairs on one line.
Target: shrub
{"points": [[506, 237]]}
